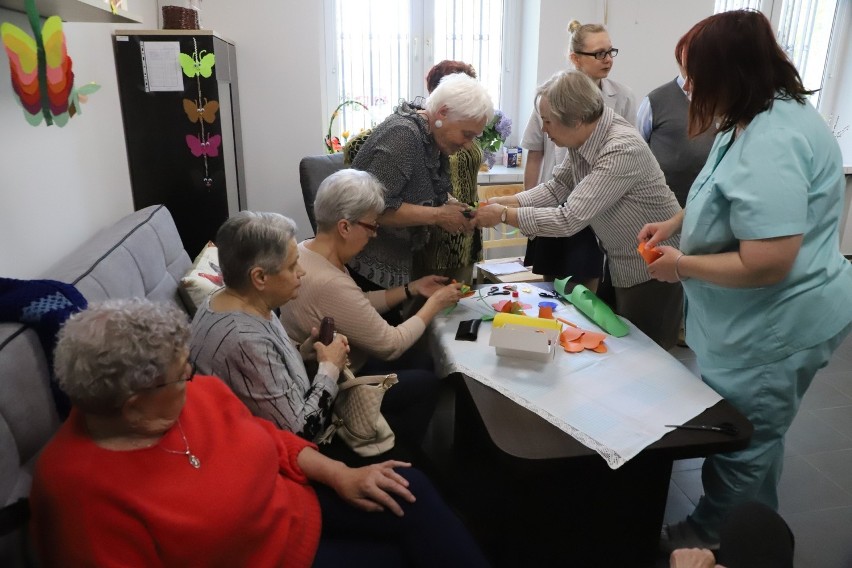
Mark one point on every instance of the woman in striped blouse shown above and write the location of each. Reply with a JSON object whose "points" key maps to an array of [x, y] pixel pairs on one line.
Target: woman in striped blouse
{"points": [[609, 181]]}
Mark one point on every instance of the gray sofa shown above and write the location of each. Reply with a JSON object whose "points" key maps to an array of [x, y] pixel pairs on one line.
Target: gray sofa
{"points": [[139, 256]]}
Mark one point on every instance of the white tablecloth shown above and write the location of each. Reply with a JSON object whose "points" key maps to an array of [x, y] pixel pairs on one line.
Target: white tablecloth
{"points": [[615, 403]]}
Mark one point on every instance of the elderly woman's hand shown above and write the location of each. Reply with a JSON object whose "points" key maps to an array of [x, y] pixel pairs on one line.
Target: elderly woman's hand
{"points": [[372, 487], [489, 215], [335, 352], [508, 200], [428, 285], [693, 558], [450, 218], [446, 296], [306, 349]]}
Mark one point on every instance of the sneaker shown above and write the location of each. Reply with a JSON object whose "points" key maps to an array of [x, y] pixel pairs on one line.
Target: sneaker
{"points": [[683, 535]]}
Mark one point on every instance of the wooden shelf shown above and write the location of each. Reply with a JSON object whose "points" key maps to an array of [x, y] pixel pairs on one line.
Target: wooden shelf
{"points": [[76, 10]]}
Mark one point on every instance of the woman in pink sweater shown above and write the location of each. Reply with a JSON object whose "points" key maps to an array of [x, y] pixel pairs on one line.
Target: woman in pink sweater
{"points": [[152, 470], [347, 205]]}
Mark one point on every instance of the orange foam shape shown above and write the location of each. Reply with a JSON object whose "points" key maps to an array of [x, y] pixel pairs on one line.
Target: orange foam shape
{"points": [[571, 334], [648, 254]]}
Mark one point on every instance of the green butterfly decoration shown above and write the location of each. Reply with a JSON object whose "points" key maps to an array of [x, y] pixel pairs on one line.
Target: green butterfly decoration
{"points": [[194, 64]]}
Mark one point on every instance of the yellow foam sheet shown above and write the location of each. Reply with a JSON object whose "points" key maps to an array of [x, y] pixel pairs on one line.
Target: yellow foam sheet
{"points": [[513, 319]]}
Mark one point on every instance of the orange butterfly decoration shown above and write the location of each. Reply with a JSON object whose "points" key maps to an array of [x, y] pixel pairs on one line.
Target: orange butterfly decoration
{"points": [[195, 110]]}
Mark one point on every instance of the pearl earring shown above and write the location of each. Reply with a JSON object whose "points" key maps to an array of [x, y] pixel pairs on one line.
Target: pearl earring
{"points": [[438, 123]]}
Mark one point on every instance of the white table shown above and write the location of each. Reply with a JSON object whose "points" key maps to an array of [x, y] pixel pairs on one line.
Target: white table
{"points": [[616, 403]]}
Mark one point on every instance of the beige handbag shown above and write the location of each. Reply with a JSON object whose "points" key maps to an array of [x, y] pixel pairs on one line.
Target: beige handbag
{"points": [[357, 417]]}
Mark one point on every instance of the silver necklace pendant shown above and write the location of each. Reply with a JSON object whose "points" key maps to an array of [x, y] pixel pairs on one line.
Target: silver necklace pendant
{"points": [[190, 457]]}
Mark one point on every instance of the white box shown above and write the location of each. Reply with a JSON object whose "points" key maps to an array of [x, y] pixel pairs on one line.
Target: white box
{"points": [[525, 337]]}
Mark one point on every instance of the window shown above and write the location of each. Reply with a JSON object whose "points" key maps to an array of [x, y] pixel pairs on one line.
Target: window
{"points": [[728, 5], [472, 31], [805, 30], [379, 51]]}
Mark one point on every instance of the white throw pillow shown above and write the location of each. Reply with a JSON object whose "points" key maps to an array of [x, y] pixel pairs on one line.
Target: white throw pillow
{"points": [[203, 278]]}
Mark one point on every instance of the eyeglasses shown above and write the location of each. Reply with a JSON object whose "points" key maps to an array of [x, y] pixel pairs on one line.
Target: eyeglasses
{"points": [[369, 227], [599, 55], [193, 369]]}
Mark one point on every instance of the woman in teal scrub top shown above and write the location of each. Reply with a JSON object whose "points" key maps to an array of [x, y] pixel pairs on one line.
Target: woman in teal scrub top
{"points": [[768, 294]]}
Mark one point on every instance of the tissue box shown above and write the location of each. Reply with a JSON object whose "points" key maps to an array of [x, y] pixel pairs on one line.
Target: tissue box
{"points": [[525, 337]]}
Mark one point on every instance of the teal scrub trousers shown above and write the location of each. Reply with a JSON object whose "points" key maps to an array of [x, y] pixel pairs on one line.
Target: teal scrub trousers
{"points": [[769, 396]]}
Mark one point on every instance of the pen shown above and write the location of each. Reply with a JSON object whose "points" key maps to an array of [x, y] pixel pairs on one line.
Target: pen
{"points": [[728, 429]]}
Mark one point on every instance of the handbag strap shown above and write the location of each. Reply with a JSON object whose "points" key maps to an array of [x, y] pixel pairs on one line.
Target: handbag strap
{"points": [[353, 381]]}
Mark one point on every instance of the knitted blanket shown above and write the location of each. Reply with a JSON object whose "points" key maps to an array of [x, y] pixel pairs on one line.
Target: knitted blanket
{"points": [[43, 305]]}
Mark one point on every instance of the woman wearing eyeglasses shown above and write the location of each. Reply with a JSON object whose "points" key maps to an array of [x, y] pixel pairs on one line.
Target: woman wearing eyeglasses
{"points": [[152, 470], [591, 52], [237, 336], [346, 207]]}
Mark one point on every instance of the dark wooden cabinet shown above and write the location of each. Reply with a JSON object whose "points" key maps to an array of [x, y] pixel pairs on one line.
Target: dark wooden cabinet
{"points": [[180, 109]]}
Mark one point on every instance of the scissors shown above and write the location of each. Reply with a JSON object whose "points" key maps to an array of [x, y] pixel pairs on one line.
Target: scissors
{"points": [[496, 291], [723, 428], [553, 295]]}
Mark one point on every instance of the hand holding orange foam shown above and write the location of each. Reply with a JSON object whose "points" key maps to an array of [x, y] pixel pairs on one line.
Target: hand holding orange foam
{"points": [[649, 254]]}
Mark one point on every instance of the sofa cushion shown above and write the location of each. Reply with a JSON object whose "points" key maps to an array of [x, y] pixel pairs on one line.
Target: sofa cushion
{"points": [[139, 256], [27, 414]]}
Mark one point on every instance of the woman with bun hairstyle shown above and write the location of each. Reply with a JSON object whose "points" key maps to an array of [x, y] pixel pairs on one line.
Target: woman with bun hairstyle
{"points": [[590, 52]]}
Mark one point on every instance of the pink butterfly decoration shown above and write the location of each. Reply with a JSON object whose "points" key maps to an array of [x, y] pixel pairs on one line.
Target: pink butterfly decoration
{"points": [[210, 147]]}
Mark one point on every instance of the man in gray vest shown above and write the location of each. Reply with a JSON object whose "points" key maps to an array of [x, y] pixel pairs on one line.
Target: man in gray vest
{"points": [[662, 120]]}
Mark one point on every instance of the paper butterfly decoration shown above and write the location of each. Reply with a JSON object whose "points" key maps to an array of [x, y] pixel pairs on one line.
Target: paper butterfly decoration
{"points": [[194, 110], [41, 70], [210, 147], [194, 65]]}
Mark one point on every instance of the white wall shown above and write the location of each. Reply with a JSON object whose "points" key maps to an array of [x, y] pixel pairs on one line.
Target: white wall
{"points": [[58, 186], [644, 31], [279, 59]]}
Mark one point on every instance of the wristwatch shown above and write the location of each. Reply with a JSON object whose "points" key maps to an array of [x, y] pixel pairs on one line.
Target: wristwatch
{"points": [[503, 214]]}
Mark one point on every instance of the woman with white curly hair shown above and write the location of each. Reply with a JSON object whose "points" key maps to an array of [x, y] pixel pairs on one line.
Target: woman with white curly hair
{"points": [[408, 153]]}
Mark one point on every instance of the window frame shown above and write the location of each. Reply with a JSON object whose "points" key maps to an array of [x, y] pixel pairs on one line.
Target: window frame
{"points": [[422, 27], [829, 95]]}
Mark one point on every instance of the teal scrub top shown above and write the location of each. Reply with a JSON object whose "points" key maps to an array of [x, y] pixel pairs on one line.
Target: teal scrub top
{"points": [[782, 176]]}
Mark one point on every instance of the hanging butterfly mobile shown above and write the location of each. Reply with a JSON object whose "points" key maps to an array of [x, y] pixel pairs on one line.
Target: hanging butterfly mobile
{"points": [[42, 77], [198, 65]]}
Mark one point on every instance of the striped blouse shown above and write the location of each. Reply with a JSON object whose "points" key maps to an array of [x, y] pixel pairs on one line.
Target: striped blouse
{"points": [[257, 360], [611, 183]]}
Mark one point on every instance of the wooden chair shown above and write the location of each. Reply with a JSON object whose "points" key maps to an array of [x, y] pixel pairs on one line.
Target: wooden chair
{"points": [[502, 237]]}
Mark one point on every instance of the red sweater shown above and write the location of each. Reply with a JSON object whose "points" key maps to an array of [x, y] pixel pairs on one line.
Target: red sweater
{"points": [[249, 504]]}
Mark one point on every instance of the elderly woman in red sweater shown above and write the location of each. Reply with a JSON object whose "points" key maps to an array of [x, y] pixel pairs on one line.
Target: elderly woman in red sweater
{"points": [[151, 469]]}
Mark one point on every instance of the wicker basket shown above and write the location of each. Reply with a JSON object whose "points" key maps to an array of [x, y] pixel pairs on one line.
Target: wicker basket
{"points": [[177, 18]]}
